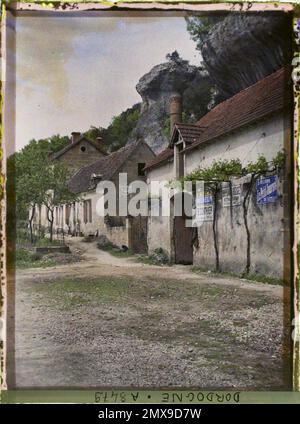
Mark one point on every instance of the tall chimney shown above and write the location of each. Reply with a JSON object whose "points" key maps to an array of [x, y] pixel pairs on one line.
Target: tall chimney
{"points": [[175, 110], [75, 136]]}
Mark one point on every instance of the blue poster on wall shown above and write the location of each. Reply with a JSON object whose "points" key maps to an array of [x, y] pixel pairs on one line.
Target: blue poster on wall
{"points": [[266, 190]]}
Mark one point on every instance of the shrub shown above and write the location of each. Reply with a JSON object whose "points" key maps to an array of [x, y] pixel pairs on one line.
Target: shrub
{"points": [[88, 239], [23, 255], [36, 256], [160, 256]]}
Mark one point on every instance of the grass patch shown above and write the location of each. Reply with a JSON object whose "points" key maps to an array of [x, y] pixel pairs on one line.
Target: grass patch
{"points": [[120, 253], [44, 242], [144, 259], [158, 257], [29, 259], [67, 293], [251, 277], [115, 251]]}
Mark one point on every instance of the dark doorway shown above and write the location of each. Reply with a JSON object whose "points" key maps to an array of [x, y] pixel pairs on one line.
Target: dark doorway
{"points": [[183, 241], [137, 237], [181, 207]]}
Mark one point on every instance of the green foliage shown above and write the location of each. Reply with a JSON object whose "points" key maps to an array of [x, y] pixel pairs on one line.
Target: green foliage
{"points": [[221, 170], [199, 27], [158, 257], [257, 168], [28, 259], [117, 133], [55, 184], [251, 277], [186, 119], [279, 160], [174, 56], [37, 179]]}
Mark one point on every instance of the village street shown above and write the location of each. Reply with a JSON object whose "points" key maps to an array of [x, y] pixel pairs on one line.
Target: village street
{"points": [[110, 321]]}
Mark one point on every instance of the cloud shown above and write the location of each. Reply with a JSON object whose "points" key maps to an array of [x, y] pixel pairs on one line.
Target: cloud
{"points": [[76, 72]]}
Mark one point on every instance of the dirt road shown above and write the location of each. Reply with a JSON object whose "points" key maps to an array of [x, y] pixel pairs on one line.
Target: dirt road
{"points": [[108, 321]]}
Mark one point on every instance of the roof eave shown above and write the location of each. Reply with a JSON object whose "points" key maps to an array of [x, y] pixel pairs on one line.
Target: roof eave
{"points": [[209, 140]]}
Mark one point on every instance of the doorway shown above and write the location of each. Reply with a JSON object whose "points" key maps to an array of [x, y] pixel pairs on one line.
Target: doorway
{"points": [[182, 235]]}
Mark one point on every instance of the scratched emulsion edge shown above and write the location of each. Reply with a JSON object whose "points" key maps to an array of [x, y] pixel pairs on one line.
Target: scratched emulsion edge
{"points": [[2, 214], [65, 5], [296, 146]]}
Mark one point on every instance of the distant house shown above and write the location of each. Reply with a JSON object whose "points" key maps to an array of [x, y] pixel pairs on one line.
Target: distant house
{"points": [[254, 122], [81, 218], [80, 152]]}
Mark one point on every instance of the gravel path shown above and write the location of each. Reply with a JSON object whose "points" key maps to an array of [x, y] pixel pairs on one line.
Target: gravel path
{"points": [[108, 321]]}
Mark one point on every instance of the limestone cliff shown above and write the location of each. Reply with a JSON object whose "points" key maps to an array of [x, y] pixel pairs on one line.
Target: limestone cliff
{"points": [[244, 48], [155, 89]]}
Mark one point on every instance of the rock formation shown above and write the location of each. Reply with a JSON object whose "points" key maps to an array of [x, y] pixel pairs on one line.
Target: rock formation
{"points": [[244, 48], [155, 89]]}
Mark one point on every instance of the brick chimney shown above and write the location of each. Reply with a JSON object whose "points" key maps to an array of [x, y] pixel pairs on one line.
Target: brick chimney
{"points": [[75, 136], [175, 110]]}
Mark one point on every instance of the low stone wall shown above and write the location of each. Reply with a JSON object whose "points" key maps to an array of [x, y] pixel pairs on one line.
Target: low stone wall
{"points": [[117, 235], [53, 249]]}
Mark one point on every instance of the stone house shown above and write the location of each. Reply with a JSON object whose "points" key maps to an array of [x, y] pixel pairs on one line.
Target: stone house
{"points": [[80, 152], [81, 217], [256, 121]]}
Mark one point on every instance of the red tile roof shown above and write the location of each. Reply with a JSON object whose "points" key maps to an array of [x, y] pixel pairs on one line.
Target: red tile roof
{"points": [[190, 133], [160, 158], [262, 99]]}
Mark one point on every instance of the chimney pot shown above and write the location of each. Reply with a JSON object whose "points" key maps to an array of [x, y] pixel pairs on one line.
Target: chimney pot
{"points": [[175, 109], [75, 136]]}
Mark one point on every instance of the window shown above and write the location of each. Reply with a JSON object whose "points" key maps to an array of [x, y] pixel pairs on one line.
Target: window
{"points": [[83, 148], [87, 211], [141, 171]]}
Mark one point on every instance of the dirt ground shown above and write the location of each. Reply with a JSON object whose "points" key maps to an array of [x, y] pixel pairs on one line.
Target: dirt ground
{"points": [[108, 321]]}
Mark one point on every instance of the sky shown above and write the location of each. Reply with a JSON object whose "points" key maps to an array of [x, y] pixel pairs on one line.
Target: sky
{"points": [[74, 72]]}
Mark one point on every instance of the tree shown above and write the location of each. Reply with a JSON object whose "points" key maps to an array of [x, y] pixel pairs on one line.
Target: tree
{"points": [[119, 130], [36, 177], [56, 191], [28, 176], [199, 27]]}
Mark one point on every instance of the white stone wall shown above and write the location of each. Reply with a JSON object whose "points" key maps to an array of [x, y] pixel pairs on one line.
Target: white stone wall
{"points": [[264, 138], [159, 234], [266, 222]]}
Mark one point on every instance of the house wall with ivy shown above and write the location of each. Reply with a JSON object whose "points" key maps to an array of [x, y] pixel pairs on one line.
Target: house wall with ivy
{"points": [[266, 224], [263, 138]]}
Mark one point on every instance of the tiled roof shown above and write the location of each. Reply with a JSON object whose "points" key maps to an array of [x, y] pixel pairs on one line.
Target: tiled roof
{"points": [[189, 133], [160, 158], [266, 97], [260, 100], [71, 145], [106, 167]]}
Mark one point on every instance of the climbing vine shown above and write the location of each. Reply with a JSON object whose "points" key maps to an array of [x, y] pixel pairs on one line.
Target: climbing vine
{"points": [[223, 171], [213, 177], [256, 170]]}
